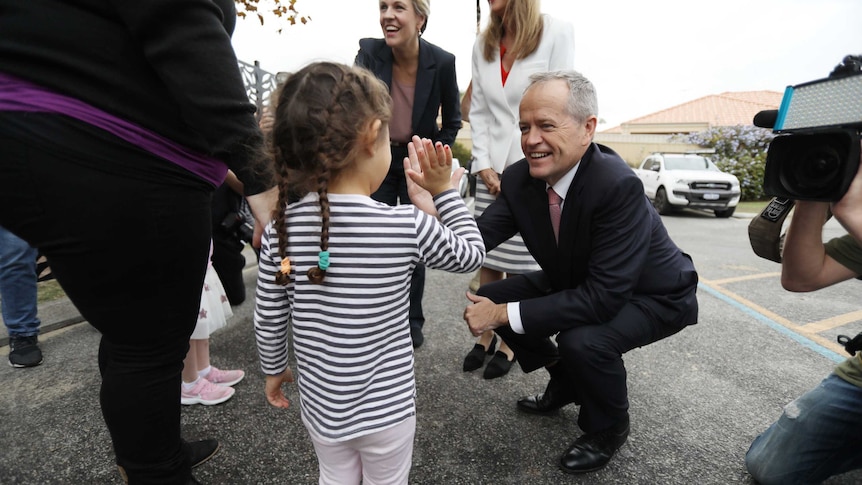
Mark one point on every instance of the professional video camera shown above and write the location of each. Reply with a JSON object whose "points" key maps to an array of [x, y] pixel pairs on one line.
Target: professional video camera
{"points": [[816, 153], [239, 224], [814, 157]]}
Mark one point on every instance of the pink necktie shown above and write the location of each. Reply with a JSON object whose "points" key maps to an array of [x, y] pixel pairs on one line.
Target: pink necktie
{"points": [[554, 208]]}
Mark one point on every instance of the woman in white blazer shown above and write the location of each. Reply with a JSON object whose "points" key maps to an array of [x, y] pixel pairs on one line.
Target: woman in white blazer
{"points": [[518, 42]]}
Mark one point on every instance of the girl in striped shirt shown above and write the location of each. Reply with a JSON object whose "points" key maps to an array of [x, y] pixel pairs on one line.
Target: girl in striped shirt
{"points": [[336, 266]]}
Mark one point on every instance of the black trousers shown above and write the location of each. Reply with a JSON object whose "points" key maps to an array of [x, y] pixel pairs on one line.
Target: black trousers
{"points": [[591, 354], [393, 191], [127, 236]]}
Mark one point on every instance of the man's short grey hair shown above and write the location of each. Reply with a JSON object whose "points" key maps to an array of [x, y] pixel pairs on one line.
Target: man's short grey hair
{"points": [[583, 102]]}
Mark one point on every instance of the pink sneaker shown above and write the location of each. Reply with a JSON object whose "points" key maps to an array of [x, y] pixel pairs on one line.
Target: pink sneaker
{"points": [[206, 393], [224, 377]]}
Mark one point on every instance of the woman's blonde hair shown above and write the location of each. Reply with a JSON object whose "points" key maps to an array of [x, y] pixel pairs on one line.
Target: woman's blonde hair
{"points": [[423, 8], [523, 19]]}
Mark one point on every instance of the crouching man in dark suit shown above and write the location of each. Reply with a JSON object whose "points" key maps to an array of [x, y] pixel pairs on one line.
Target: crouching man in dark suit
{"points": [[611, 278]]}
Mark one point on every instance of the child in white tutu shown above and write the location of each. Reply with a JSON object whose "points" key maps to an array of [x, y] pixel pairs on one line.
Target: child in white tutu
{"points": [[203, 383]]}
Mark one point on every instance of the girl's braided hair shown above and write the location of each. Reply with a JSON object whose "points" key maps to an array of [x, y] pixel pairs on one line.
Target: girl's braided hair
{"points": [[320, 116]]}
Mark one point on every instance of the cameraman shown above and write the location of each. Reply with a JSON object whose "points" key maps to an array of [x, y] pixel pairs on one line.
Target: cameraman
{"points": [[819, 434]]}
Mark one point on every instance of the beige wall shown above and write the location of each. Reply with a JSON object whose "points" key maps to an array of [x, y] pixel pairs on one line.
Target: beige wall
{"points": [[634, 148], [463, 137]]}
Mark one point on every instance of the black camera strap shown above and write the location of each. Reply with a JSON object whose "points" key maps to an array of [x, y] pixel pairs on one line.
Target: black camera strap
{"points": [[764, 231]]}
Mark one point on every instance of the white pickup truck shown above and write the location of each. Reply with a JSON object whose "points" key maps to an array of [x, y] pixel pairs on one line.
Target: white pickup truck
{"points": [[676, 181]]}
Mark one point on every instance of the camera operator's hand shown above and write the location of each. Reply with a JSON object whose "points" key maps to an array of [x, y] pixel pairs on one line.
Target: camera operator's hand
{"points": [[848, 210]]}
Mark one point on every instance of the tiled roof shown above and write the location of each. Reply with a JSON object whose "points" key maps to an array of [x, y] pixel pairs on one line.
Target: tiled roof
{"points": [[725, 109]]}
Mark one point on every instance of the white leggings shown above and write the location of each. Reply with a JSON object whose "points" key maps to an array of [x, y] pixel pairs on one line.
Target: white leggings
{"points": [[381, 458]]}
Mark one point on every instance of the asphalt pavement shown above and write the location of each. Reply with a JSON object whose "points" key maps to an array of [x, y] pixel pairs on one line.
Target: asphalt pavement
{"points": [[697, 400]]}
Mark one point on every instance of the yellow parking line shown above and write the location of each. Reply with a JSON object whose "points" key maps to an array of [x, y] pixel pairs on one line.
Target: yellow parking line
{"points": [[834, 322], [754, 306], [799, 329], [745, 278]]}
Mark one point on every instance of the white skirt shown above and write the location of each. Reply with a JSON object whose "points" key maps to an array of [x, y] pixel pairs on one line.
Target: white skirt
{"points": [[510, 257], [215, 308]]}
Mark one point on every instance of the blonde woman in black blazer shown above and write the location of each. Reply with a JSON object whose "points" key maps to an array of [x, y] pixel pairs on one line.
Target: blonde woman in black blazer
{"points": [[421, 79]]}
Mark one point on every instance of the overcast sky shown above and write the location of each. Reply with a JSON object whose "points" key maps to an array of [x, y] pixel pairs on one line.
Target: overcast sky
{"points": [[642, 56]]}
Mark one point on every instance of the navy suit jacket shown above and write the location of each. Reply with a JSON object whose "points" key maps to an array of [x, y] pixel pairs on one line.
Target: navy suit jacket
{"points": [[613, 249], [436, 86]]}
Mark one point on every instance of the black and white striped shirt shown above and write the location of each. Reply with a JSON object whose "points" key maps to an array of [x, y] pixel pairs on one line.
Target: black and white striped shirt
{"points": [[351, 334]]}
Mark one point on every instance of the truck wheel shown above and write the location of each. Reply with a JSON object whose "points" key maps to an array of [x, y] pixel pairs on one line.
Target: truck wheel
{"points": [[724, 214], [661, 204]]}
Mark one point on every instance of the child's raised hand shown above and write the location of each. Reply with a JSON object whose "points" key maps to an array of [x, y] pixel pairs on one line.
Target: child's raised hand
{"points": [[274, 394], [433, 167]]}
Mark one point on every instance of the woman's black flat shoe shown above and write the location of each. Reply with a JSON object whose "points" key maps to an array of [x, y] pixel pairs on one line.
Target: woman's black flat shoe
{"points": [[476, 358], [499, 366]]}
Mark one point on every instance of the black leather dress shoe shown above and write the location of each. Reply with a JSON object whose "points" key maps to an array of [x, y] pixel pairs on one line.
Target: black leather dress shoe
{"points": [[556, 395], [593, 451]]}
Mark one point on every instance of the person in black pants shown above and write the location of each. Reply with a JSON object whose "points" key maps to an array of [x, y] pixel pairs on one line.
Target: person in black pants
{"points": [[422, 82], [117, 121], [393, 189]]}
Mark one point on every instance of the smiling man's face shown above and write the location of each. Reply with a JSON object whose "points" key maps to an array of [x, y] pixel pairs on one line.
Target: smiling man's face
{"points": [[552, 140]]}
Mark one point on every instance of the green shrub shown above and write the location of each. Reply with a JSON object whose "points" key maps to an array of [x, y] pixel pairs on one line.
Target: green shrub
{"points": [[461, 153]]}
